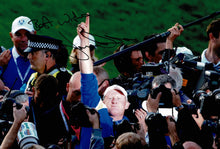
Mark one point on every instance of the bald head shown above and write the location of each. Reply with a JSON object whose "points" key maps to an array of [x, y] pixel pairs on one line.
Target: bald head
{"points": [[73, 88], [191, 145]]}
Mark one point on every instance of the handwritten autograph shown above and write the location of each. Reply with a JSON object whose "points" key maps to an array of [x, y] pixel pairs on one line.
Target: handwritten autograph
{"points": [[69, 17], [46, 22]]}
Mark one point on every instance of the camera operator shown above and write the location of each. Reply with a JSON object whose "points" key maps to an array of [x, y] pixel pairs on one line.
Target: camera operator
{"points": [[153, 52], [19, 116], [209, 131], [6, 109]]}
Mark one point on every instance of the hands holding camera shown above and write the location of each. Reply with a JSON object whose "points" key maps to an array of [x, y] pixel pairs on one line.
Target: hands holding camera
{"points": [[94, 119], [19, 116]]}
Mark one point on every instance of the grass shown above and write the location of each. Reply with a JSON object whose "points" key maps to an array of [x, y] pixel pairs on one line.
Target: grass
{"points": [[131, 19]]}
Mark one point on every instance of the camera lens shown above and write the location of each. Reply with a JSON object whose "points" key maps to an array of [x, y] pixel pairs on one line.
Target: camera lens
{"points": [[27, 135]]}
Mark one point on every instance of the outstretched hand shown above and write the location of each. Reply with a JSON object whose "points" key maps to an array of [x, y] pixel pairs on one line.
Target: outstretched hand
{"points": [[83, 28], [85, 60]]}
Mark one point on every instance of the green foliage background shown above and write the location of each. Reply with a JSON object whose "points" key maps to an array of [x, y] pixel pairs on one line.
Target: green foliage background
{"points": [[132, 19]]}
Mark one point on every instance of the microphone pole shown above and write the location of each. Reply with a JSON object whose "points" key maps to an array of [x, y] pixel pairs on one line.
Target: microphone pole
{"points": [[162, 35]]}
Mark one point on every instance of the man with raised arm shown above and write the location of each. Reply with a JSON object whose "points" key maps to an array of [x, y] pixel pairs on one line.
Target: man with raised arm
{"points": [[115, 101]]}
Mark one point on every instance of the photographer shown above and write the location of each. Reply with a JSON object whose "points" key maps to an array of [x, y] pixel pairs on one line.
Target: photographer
{"points": [[157, 126], [167, 98], [19, 116], [6, 109], [96, 141], [208, 128]]}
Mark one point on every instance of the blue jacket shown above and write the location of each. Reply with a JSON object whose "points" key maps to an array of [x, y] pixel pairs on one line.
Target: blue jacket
{"points": [[10, 73], [91, 98]]}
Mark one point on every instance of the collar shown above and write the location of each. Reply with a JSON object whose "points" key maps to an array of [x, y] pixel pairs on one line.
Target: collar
{"points": [[51, 69], [119, 121], [15, 53], [205, 60]]}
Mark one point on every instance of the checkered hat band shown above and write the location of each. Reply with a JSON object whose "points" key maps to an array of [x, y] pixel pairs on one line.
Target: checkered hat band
{"points": [[41, 45]]}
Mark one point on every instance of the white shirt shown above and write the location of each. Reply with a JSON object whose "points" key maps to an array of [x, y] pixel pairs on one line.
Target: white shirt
{"points": [[205, 60]]}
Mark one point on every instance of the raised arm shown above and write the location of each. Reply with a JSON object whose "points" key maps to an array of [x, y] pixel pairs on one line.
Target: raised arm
{"points": [[176, 30], [85, 60]]}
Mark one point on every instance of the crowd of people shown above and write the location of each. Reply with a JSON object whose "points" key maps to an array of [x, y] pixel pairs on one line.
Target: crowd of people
{"points": [[46, 105]]}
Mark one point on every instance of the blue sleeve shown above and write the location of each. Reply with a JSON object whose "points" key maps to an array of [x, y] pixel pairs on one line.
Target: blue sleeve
{"points": [[96, 141], [91, 98], [89, 90]]}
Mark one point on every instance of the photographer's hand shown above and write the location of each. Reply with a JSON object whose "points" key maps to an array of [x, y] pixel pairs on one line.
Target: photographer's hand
{"points": [[198, 119], [19, 116], [141, 114], [176, 99], [153, 104], [94, 119]]}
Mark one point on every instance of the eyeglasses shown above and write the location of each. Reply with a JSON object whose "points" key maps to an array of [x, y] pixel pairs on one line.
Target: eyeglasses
{"points": [[102, 82]]}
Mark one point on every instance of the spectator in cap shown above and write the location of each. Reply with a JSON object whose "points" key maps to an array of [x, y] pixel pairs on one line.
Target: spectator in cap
{"points": [[47, 55], [76, 47], [14, 64]]}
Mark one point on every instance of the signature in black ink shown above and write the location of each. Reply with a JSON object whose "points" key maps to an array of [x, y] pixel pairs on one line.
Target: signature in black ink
{"points": [[71, 17], [44, 23], [113, 41]]}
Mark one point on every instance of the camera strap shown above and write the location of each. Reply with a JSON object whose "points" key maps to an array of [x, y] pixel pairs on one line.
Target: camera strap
{"points": [[64, 116]]}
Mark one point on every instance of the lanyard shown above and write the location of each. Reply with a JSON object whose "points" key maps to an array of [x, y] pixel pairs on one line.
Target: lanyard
{"points": [[19, 72], [63, 113]]}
